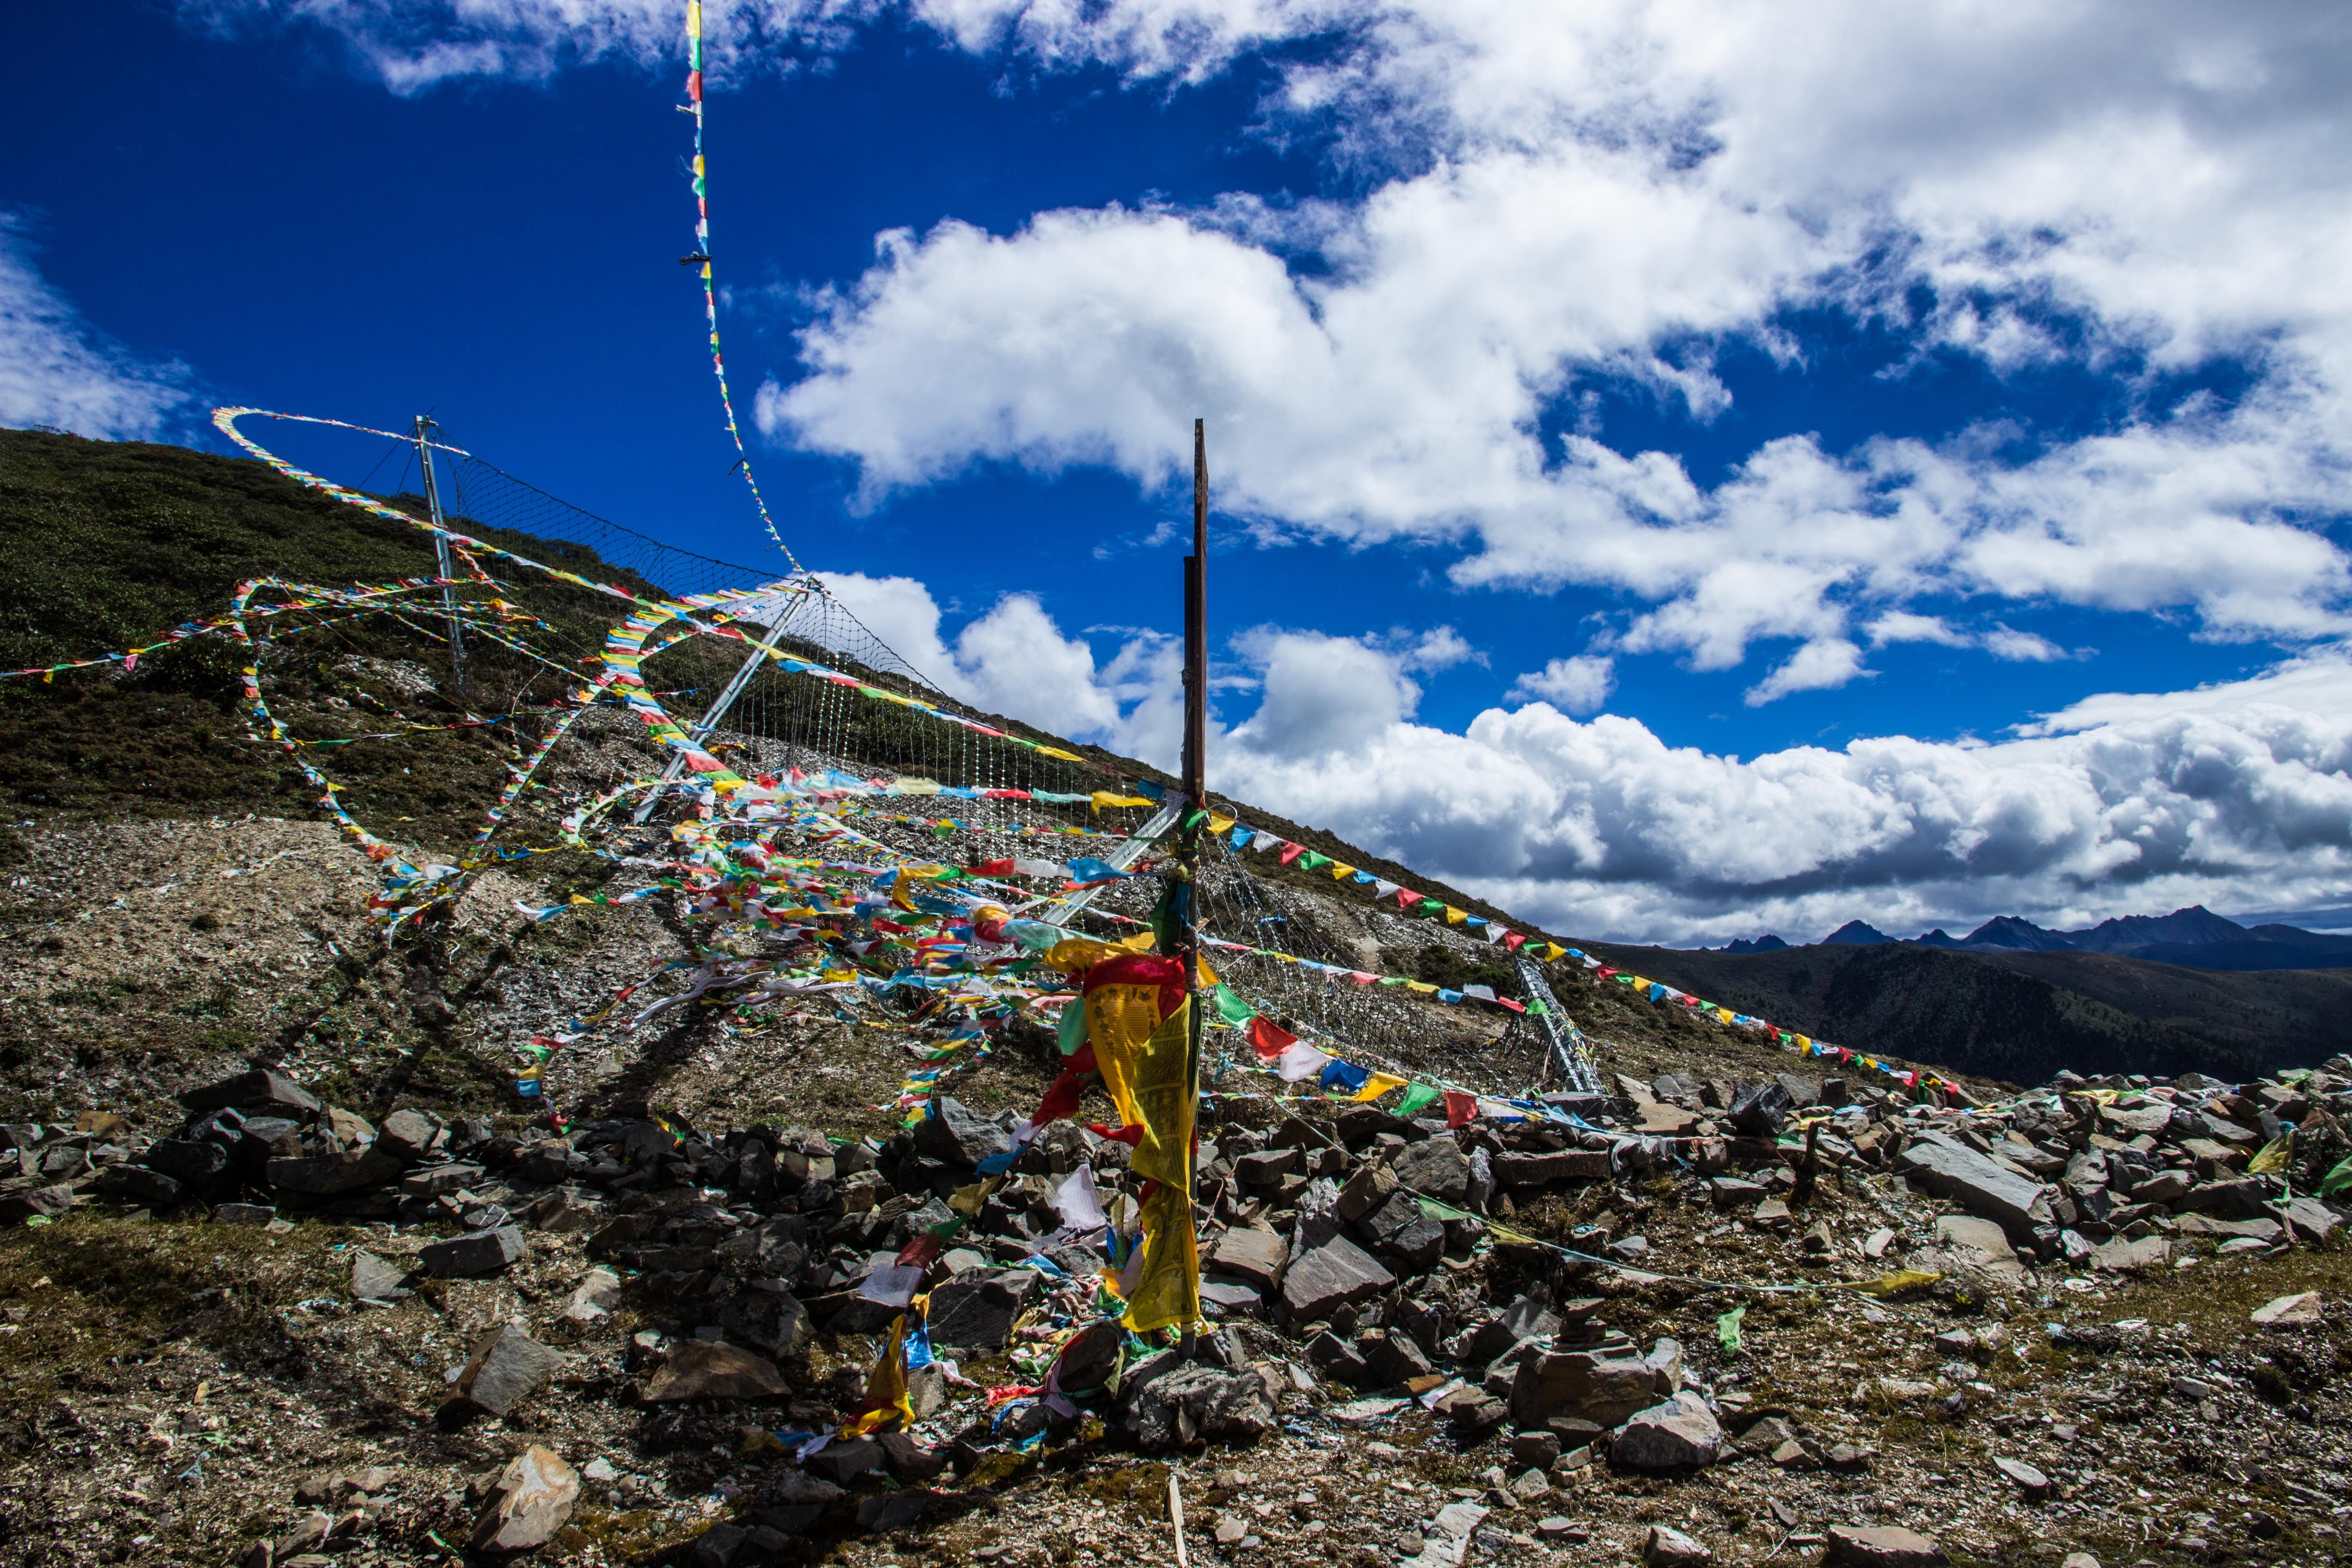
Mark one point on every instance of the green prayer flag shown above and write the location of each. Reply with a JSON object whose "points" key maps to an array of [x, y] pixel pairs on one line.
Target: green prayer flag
{"points": [[1313, 862], [1074, 1026], [1727, 1330], [1230, 1007], [1416, 1096], [2336, 1180]]}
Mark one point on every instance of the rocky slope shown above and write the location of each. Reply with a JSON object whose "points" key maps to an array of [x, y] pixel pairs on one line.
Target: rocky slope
{"points": [[289, 1270]]}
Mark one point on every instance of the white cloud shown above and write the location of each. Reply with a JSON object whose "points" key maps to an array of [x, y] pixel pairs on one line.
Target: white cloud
{"points": [[1563, 197], [1578, 685], [55, 370], [1599, 827], [2022, 648], [2238, 796], [2001, 640], [1822, 663], [1903, 625], [1014, 660]]}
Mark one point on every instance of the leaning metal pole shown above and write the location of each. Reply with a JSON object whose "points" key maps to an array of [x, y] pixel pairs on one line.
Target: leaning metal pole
{"points": [[441, 552], [1570, 1055]]}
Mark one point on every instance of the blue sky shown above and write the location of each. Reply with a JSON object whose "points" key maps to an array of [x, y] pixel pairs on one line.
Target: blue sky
{"points": [[1662, 462]]}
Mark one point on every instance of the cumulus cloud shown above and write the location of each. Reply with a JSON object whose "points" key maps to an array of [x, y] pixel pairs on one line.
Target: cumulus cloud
{"points": [[2001, 640], [1599, 193], [1015, 660], [56, 370], [2237, 794], [1823, 662], [2120, 805], [1578, 685], [1559, 197]]}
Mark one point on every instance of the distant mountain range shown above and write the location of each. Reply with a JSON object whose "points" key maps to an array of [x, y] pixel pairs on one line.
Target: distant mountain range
{"points": [[2193, 938]]}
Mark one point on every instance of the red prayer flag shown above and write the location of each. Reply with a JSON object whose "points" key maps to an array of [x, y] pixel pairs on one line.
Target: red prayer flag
{"points": [[1459, 1108], [1269, 1039]]}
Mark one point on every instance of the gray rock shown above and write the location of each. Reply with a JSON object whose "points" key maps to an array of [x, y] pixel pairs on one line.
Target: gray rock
{"points": [[323, 1175], [1735, 1192], [1227, 1299], [838, 1464], [1802, 1092], [953, 1132], [1366, 1190], [373, 1279], [1417, 1246], [975, 1310], [1335, 1274], [1950, 1169], [1166, 1404], [477, 1252], [1682, 1431], [406, 1135], [1885, 1547], [531, 1501], [1598, 1388], [243, 1214], [894, 1512], [137, 1184], [2265, 1230], [717, 1546], [1267, 1168], [593, 1300], [1434, 1168], [1256, 1255], [1669, 1547], [1338, 1360], [2312, 1221], [253, 1090], [711, 1369], [433, 1181], [2031, 1482], [2122, 1256], [1318, 1218], [767, 1316], [2241, 1199], [191, 1161], [1980, 1236], [506, 1367], [1514, 1168], [1392, 1358], [42, 1202], [2301, 1310]]}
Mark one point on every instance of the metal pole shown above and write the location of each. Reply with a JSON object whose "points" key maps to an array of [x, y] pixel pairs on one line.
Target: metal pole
{"points": [[1194, 807], [441, 552], [717, 710]]}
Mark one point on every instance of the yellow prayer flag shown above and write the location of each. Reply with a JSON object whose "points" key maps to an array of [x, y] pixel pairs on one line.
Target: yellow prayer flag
{"points": [[1454, 917], [1146, 1066], [1901, 1279], [1220, 823], [1341, 873], [1168, 1292], [1423, 986], [1378, 1084], [1553, 950], [887, 1403], [2273, 1157]]}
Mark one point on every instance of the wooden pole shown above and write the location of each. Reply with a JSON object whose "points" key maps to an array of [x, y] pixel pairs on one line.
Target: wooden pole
{"points": [[1193, 811]]}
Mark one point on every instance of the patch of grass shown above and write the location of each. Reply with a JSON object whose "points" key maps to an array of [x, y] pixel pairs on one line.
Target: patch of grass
{"points": [[96, 1290]]}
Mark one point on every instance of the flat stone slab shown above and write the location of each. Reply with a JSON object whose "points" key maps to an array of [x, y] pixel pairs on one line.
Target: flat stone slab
{"points": [[1950, 1169]]}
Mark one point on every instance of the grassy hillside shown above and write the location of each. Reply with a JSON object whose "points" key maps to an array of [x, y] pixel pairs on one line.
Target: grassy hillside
{"points": [[2020, 1017]]}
